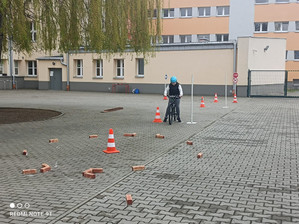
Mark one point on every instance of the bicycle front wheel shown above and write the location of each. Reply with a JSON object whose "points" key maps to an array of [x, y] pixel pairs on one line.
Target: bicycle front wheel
{"points": [[170, 116]]}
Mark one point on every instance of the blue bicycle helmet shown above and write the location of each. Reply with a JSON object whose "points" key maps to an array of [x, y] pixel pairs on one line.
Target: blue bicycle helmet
{"points": [[173, 79]]}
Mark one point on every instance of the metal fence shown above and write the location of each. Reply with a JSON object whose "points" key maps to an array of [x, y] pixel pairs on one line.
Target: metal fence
{"points": [[267, 83], [273, 83]]}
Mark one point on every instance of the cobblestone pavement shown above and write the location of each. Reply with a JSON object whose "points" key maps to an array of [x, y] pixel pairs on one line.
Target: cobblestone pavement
{"points": [[248, 173]]}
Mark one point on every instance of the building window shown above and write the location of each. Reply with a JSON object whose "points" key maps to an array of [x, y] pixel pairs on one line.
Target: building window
{"points": [[185, 38], [33, 31], [168, 39], [282, 1], [32, 68], [281, 26], [221, 37], [155, 39], [120, 67], [1, 67], [168, 13], [260, 27], [186, 12], [99, 68], [203, 38], [296, 55], [140, 67], [297, 24], [79, 65], [261, 1], [16, 67], [222, 10], [204, 11], [152, 13]]}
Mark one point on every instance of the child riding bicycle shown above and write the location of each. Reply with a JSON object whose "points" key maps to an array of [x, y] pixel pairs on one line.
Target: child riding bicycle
{"points": [[174, 89]]}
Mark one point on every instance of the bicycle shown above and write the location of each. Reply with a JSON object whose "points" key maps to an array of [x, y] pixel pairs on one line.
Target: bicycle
{"points": [[172, 111]]}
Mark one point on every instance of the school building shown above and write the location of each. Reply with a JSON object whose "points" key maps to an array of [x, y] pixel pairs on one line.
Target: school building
{"points": [[210, 40]]}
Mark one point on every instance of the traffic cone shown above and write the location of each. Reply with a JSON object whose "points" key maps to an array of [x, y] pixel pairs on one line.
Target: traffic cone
{"points": [[235, 99], [165, 98], [216, 98], [111, 144], [157, 117], [202, 104]]}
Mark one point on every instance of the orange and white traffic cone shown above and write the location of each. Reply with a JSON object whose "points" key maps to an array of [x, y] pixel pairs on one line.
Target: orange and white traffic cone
{"points": [[157, 117], [111, 143], [235, 99], [202, 104], [216, 98]]}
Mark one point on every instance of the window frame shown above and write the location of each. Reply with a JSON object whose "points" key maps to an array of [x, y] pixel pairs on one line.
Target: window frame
{"points": [[152, 13], [223, 10], [138, 67], [186, 38], [281, 27], [261, 27], [169, 38], [186, 12], [33, 68], [169, 10], [296, 55], [205, 11], [99, 68], [16, 67], [282, 1], [33, 32], [1, 67], [260, 3], [120, 68], [223, 35], [79, 67]]}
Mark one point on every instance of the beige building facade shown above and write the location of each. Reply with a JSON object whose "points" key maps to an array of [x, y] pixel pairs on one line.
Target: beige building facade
{"points": [[211, 64], [201, 38]]}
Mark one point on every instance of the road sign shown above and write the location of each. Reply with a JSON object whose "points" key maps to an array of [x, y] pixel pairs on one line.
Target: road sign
{"points": [[235, 80], [235, 75]]}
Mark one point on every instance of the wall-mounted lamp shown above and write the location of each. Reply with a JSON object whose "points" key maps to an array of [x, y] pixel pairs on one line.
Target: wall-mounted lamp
{"points": [[266, 48]]}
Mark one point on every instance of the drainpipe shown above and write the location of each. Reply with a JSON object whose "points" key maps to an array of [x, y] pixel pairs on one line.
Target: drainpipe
{"points": [[235, 65], [67, 71], [11, 64]]}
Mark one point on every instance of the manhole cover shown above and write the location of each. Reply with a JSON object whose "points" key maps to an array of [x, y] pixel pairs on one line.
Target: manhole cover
{"points": [[16, 115]]}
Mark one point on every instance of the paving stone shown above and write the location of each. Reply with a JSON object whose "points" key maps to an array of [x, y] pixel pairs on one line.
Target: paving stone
{"points": [[254, 142]]}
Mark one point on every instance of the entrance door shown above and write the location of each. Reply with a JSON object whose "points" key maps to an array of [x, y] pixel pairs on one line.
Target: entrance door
{"points": [[55, 78]]}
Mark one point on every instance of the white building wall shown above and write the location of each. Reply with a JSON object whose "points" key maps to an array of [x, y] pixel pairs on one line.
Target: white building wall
{"points": [[241, 21]]}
